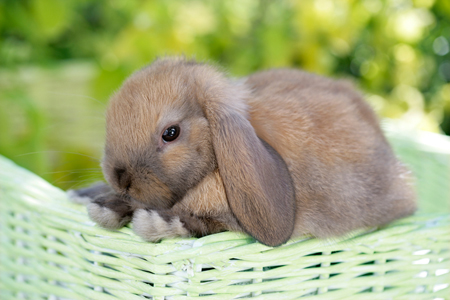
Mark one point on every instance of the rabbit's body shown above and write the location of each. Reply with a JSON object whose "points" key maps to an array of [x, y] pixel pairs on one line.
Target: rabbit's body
{"points": [[281, 154], [356, 173]]}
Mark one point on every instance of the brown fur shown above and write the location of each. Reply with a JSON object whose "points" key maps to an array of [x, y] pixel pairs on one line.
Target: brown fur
{"points": [[345, 173], [280, 154]]}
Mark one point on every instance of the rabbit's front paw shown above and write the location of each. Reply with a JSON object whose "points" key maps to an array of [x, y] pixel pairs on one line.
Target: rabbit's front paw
{"points": [[86, 195], [152, 225], [110, 211]]}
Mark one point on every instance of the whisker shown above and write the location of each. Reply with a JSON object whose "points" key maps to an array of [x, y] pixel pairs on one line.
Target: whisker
{"points": [[98, 171], [89, 176], [58, 180], [82, 174], [77, 184]]}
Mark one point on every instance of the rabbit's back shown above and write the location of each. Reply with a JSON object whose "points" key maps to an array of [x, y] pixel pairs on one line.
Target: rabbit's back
{"points": [[294, 108], [344, 171]]}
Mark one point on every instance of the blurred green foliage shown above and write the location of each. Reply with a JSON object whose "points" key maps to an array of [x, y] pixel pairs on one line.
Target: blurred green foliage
{"points": [[60, 60]]}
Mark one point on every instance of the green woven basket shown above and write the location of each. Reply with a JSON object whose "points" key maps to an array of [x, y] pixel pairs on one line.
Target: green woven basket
{"points": [[51, 250]]}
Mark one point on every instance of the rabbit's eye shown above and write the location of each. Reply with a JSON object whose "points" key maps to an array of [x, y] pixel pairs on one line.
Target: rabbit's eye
{"points": [[171, 133]]}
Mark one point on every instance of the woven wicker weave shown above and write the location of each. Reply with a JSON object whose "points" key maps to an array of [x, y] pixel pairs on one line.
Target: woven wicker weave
{"points": [[51, 250]]}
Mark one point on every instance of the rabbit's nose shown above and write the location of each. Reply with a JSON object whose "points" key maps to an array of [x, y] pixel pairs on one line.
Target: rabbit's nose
{"points": [[123, 178]]}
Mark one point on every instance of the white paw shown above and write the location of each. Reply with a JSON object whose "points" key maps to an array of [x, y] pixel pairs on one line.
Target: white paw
{"points": [[106, 217], [152, 227], [75, 198]]}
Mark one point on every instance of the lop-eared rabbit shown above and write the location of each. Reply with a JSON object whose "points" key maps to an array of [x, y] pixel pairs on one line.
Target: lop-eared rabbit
{"points": [[281, 153]]}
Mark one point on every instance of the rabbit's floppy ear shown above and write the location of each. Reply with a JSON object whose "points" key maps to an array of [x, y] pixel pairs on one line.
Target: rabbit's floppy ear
{"points": [[257, 182]]}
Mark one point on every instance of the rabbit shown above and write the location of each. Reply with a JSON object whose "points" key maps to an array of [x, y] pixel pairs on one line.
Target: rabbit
{"points": [[278, 154]]}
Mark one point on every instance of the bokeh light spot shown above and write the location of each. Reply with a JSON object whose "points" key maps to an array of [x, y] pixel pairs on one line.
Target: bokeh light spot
{"points": [[404, 53], [440, 46]]}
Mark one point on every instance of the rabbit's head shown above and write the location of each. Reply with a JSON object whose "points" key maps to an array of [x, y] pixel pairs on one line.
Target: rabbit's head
{"points": [[174, 122]]}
